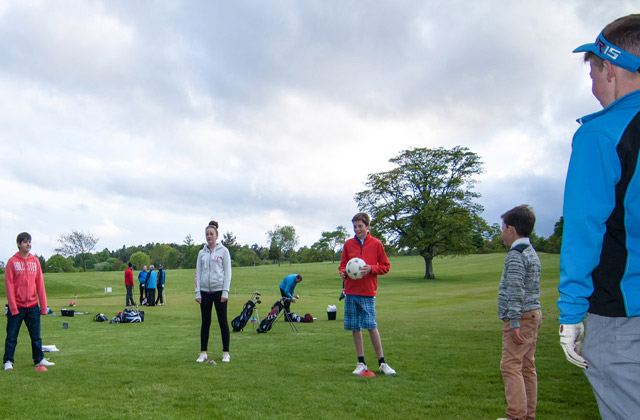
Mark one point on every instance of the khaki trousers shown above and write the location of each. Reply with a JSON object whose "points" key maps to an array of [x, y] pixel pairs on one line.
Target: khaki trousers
{"points": [[518, 367]]}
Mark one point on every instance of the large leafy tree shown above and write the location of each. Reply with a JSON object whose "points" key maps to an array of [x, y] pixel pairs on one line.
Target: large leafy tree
{"points": [[426, 202], [77, 244]]}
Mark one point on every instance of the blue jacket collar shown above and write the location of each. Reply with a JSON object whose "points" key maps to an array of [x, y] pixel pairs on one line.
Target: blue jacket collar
{"points": [[633, 97]]}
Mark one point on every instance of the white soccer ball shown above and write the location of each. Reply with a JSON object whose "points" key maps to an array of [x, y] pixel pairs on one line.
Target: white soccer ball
{"points": [[353, 268]]}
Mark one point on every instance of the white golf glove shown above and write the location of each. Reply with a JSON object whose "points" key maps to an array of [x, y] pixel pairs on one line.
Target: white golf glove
{"points": [[571, 337]]}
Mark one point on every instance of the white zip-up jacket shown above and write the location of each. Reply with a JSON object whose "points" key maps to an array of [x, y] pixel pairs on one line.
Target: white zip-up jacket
{"points": [[213, 271]]}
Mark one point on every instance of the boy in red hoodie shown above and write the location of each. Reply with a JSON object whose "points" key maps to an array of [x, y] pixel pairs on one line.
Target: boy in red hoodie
{"points": [[23, 281], [360, 302]]}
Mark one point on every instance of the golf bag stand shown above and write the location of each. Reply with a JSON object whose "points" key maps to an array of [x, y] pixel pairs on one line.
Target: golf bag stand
{"points": [[238, 323], [276, 311]]}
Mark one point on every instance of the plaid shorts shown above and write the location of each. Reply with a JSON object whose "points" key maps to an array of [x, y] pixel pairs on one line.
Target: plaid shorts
{"points": [[360, 312]]}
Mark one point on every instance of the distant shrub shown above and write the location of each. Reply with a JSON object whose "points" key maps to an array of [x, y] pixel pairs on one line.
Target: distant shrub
{"points": [[59, 264]]}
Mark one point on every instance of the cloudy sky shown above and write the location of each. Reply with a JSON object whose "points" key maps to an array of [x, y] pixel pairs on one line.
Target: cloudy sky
{"points": [[139, 121]]}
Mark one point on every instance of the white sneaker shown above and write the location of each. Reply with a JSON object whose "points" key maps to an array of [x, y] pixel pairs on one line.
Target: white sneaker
{"points": [[386, 369], [45, 362], [202, 358], [8, 365], [360, 367], [226, 357]]}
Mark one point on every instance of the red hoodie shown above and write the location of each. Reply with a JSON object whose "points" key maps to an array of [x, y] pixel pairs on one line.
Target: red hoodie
{"points": [[372, 252], [23, 280]]}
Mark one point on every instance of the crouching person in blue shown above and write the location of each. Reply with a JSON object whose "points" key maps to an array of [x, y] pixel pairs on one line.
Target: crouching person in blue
{"points": [[287, 288]]}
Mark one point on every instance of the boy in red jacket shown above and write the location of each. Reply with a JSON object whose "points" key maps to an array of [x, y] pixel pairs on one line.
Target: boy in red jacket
{"points": [[23, 281], [360, 302]]}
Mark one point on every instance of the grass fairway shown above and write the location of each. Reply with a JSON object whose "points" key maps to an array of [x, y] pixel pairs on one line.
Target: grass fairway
{"points": [[442, 336]]}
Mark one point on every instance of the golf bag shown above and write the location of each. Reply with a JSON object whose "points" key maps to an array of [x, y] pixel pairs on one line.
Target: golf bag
{"points": [[276, 309], [292, 317], [241, 320], [128, 316], [100, 318]]}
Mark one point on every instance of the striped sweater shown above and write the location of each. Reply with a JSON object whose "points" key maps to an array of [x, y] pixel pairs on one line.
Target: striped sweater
{"points": [[519, 289]]}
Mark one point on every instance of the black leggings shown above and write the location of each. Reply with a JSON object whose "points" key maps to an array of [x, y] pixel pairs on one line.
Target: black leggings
{"points": [[208, 300]]}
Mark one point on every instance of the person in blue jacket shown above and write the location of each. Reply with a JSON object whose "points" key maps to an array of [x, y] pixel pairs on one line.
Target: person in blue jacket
{"points": [[142, 278], [287, 287], [600, 255], [151, 286]]}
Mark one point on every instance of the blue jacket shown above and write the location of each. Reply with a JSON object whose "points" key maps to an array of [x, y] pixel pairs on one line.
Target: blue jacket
{"points": [[142, 276], [600, 256], [288, 285], [151, 280]]}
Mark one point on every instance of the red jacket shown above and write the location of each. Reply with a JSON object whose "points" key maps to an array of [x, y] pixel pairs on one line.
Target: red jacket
{"points": [[128, 277], [372, 252], [24, 283]]}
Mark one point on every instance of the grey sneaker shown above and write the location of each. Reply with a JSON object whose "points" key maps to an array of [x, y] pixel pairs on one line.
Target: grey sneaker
{"points": [[226, 357], [386, 369], [45, 362], [202, 358], [360, 367], [8, 365]]}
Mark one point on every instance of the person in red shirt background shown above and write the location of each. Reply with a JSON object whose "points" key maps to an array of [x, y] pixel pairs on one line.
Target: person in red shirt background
{"points": [[128, 283]]}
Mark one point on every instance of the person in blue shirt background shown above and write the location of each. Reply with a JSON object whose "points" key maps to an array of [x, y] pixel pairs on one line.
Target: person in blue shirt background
{"points": [[142, 278], [151, 286]]}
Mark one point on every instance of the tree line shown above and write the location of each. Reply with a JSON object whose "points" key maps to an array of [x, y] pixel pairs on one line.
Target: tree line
{"points": [[75, 252], [425, 205], [327, 248]]}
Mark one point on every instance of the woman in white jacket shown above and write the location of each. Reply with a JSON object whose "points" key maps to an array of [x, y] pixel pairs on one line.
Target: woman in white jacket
{"points": [[213, 279]]}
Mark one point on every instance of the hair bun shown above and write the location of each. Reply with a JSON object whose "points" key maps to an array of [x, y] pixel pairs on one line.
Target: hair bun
{"points": [[214, 224]]}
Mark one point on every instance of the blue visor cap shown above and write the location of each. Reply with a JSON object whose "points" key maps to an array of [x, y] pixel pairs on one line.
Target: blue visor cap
{"points": [[616, 55]]}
